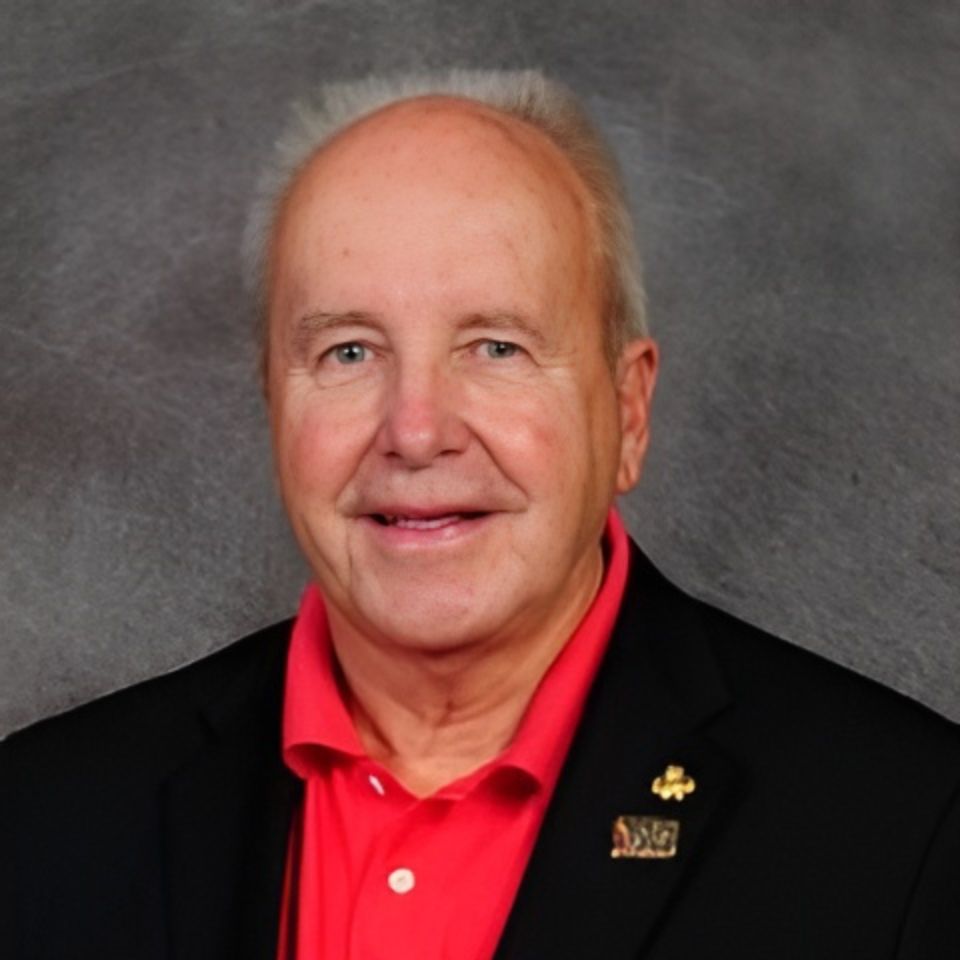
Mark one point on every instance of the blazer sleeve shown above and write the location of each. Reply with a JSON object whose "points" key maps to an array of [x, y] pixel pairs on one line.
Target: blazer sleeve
{"points": [[931, 930]]}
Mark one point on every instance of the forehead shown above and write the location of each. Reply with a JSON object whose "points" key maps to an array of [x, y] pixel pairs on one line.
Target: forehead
{"points": [[442, 165]]}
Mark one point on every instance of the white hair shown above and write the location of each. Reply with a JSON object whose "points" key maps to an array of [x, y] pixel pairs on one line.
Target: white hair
{"points": [[526, 95]]}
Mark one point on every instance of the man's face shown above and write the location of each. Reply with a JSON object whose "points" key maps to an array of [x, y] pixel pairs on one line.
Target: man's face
{"points": [[447, 431]]}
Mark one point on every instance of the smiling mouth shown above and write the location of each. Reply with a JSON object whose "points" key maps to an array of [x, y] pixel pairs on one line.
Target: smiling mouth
{"points": [[424, 523]]}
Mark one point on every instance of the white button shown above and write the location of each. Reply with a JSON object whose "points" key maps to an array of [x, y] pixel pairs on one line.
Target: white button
{"points": [[376, 784], [401, 880]]}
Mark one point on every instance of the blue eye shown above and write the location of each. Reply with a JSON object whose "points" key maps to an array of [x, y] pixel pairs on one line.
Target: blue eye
{"points": [[349, 353], [500, 349]]}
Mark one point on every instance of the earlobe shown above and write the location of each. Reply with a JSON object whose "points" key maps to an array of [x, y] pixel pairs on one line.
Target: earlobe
{"points": [[636, 378]]}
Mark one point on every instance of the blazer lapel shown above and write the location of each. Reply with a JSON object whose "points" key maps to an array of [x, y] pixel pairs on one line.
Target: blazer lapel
{"points": [[226, 822], [658, 686]]}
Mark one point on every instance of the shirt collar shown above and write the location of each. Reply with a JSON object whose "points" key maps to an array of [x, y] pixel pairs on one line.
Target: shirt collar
{"points": [[314, 712], [316, 719]]}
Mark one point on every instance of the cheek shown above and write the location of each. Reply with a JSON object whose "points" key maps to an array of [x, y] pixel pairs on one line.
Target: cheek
{"points": [[538, 440], [317, 450], [572, 446]]}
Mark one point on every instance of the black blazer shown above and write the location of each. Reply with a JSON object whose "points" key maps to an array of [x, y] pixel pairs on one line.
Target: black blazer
{"points": [[825, 824]]}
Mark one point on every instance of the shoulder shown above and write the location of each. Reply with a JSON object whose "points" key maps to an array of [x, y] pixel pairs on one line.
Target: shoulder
{"points": [[806, 694], [840, 790], [803, 726], [825, 749], [792, 687], [143, 729], [90, 789]]}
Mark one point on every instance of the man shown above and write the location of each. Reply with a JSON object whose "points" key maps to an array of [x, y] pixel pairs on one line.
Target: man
{"points": [[493, 728]]}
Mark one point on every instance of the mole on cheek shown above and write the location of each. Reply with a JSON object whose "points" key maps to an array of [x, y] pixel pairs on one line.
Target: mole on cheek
{"points": [[345, 252]]}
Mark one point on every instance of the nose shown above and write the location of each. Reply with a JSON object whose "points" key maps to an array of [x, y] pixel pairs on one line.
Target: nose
{"points": [[422, 417]]}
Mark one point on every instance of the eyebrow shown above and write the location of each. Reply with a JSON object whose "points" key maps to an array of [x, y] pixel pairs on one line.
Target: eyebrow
{"points": [[503, 321], [310, 325]]}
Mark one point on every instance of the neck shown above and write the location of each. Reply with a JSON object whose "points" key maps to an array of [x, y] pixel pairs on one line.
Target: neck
{"points": [[432, 717]]}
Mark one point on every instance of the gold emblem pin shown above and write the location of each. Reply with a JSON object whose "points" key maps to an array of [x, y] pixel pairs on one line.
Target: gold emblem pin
{"points": [[673, 784], [645, 838]]}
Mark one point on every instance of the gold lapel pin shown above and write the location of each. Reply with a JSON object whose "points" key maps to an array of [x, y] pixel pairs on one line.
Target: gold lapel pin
{"points": [[673, 784], [645, 838]]}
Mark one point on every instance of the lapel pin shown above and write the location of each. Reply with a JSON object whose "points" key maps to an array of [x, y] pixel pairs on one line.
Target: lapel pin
{"points": [[644, 838], [673, 784]]}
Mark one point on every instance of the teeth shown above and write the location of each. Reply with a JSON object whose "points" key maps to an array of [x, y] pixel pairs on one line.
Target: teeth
{"points": [[411, 523]]}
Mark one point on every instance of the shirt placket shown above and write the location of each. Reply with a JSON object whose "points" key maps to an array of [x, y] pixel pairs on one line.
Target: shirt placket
{"points": [[389, 918]]}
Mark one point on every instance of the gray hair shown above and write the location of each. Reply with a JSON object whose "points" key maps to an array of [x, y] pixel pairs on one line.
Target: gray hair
{"points": [[526, 95]]}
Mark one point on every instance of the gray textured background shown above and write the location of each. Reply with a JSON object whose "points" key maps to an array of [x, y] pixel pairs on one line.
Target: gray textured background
{"points": [[794, 167]]}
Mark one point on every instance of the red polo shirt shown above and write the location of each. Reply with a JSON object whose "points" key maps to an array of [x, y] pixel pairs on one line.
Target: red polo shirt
{"points": [[375, 873]]}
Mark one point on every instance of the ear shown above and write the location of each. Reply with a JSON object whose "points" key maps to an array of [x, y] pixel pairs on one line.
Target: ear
{"points": [[636, 377]]}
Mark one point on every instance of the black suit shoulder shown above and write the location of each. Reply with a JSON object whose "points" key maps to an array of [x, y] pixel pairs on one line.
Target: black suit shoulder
{"points": [[107, 758], [843, 779], [806, 696], [778, 691], [145, 726], [82, 799]]}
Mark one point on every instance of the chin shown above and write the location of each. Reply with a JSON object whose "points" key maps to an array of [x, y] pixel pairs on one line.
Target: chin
{"points": [[431, 624]]}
